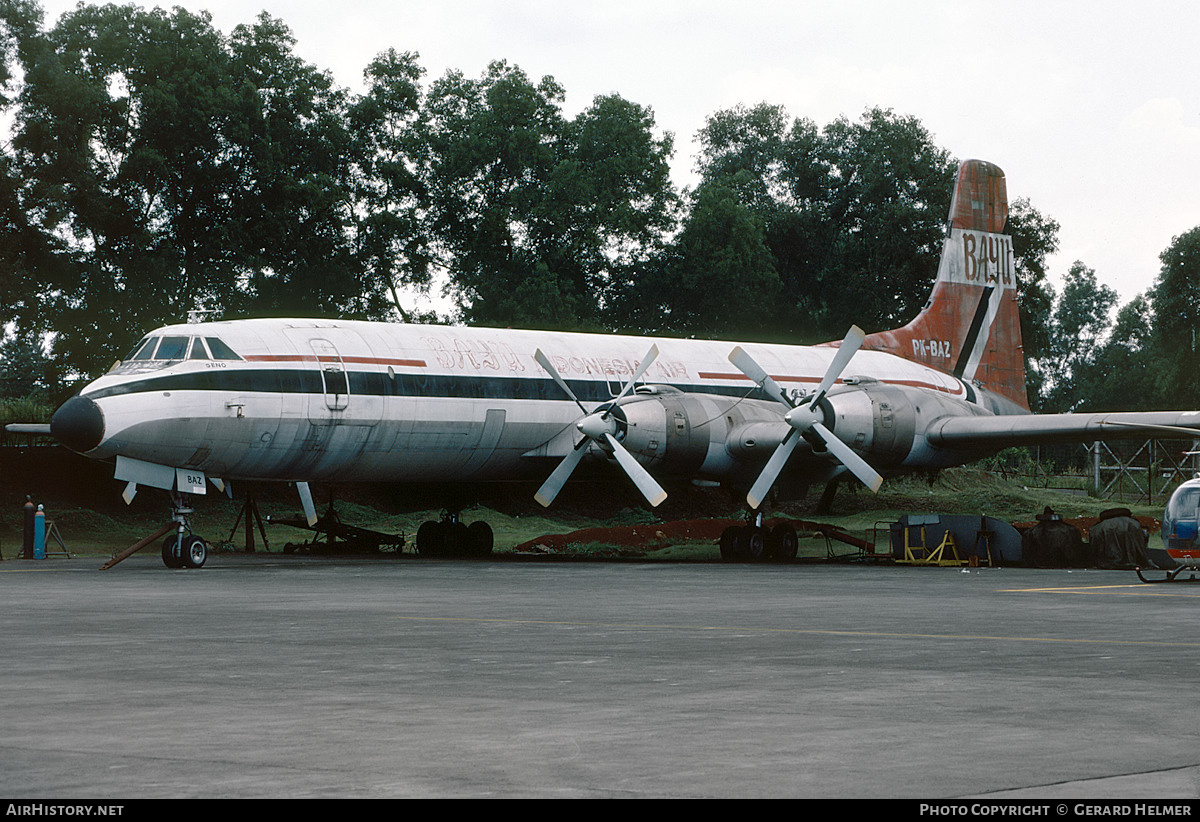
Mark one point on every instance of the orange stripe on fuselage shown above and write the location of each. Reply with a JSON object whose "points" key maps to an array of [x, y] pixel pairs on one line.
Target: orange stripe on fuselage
{"points": [[315, 358], [715, 375]]}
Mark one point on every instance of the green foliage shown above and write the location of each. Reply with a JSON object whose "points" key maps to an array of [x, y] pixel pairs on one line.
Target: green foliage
{"points": [[1149, 358], [24, 409], [852, 217], [25, 369], [1123, 373], [1074, 331], [1176, 318], [718, 277], [387, 127], [539, 216], [1034, 238]]}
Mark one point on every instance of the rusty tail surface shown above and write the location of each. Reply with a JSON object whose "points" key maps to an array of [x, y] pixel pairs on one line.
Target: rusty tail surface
{"points": [[970, 327]]}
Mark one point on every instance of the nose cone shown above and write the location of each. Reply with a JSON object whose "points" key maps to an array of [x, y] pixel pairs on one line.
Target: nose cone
{"points": [[78, 424]]}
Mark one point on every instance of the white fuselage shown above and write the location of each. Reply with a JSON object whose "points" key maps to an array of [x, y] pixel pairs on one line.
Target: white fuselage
{"points": [[369, 401]]}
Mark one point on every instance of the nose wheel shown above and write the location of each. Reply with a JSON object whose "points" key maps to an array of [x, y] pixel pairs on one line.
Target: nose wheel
{"points": [[184, 551]]}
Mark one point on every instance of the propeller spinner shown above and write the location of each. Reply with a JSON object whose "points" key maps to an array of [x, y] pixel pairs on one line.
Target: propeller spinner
{"points": [[599, 426], [807, 419]]}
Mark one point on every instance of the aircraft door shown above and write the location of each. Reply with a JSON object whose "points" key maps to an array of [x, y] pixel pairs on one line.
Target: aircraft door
{"points": [[338, 386], [335, 383]]}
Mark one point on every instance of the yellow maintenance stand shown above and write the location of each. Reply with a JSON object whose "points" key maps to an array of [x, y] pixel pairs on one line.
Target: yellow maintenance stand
{"points": [[919, 553]]}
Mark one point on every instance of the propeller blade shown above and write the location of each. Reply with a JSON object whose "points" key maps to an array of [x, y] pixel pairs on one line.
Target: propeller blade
{"points": [[746, 364], [595, 426], [762, 485], [645, 483], [544, 362], [857, 466], [848, 348], [558, 478], [650, 357]]}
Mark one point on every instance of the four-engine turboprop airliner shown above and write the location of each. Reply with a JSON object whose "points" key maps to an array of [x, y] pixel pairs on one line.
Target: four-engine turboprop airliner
{"points": [[308, 400]]}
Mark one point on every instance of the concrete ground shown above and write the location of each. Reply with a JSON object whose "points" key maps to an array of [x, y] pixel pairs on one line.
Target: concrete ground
{"points": [[272, 676]]}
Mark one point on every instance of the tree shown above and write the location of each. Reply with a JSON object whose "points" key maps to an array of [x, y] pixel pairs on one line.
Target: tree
{"points": [[888, 197], [291, 148], [717, 277], [613, 183], [537, 217], [1034, 238], [117, 139], [25, 370], [854, 214], [24, 248], [1122, 376], [492, 144], [391, 198], [1076, 329], [1176, 311], [164, 168]]}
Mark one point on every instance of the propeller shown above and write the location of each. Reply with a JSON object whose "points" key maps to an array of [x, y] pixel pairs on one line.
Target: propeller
{"points": [[807, 419], [599, 426]]}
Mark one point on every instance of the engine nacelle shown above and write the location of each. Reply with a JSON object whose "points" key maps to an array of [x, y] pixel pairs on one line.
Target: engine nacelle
{"points": [[887, 423], [673, 432], [717, 437]]}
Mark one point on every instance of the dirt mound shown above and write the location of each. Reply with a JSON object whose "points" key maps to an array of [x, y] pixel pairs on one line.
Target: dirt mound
{"points": [[657, 534], [1152, 525], [631, 536]]}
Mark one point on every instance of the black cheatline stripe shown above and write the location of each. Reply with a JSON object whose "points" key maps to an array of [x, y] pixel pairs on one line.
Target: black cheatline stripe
{"points": [[973, 331], [369, 383]]}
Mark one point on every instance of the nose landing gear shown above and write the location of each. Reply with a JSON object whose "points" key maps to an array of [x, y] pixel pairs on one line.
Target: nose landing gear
{"points": [[183, 549]]}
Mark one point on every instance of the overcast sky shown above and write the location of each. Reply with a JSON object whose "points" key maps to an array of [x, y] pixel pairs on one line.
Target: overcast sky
{"points": [[1091, 108]]}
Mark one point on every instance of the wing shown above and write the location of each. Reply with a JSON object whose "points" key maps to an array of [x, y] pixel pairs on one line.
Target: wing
{"points": [[1034, 429]]}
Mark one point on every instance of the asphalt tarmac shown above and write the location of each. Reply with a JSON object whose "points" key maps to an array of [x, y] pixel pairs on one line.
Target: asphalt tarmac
{"points": [[283, 677]]}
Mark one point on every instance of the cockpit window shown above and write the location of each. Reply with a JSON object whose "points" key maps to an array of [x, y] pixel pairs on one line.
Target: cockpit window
{"points": [[220, 351], [143, 350], [172, 348], [1183, 504], [198, 352]]}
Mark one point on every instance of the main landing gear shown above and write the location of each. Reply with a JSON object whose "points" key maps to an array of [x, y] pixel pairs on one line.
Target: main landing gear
{"points": [[451, 537], [756, 542]]}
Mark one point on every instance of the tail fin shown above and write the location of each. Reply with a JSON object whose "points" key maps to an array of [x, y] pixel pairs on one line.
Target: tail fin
{"points": [[970, 326]]}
